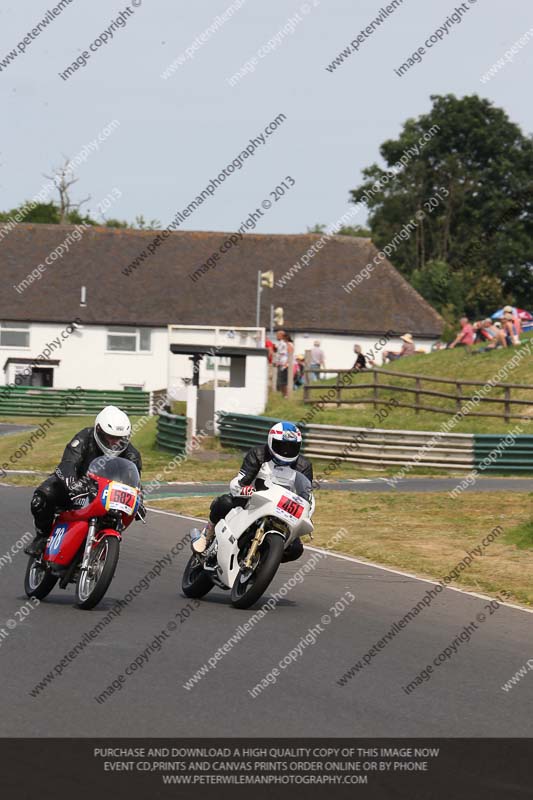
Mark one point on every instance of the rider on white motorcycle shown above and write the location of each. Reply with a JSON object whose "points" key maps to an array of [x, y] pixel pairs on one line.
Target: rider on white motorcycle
{"points": [[282, 454]]}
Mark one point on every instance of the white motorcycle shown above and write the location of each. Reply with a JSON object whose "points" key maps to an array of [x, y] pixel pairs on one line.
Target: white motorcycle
{"points": [[249, 542]]}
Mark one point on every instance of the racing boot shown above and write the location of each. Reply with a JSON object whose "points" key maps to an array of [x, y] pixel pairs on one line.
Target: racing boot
{"points": [[36, 548], [200, 540]]}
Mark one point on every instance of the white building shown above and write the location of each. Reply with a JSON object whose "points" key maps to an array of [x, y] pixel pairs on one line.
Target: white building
{"points": [[98, 314]]}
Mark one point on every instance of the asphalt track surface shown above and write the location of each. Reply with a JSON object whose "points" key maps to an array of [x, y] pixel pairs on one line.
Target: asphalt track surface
{"points": [[463, 698], [7, 427]]}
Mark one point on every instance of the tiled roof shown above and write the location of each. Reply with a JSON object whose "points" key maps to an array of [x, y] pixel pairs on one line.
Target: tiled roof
{"points": [[160, 291]]}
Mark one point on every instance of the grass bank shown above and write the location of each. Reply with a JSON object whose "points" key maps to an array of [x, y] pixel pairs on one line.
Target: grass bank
{"points": [[458, 364]]}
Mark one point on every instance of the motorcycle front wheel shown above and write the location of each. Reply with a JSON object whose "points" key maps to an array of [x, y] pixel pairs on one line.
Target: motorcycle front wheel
{"points": [[195, 582], [93, 583], [251, 583], [38, 581]]}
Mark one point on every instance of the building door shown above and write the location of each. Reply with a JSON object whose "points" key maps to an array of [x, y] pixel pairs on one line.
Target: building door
{"points": [[205, 408], [42, 376]]}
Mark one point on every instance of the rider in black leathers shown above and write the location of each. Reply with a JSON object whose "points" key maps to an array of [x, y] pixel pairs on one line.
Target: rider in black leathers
{"points": [[69, 486]]}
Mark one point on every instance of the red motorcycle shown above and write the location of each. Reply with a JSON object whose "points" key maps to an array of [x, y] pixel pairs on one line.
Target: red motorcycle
{"points": [[84, 545]]}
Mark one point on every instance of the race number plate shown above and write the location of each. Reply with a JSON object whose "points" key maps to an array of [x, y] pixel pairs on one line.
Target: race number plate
{"points": [[291, 507], [121, 497]]}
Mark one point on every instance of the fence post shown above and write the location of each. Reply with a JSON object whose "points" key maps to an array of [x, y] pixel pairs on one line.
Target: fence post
{"points": [[507, 412], [376, 389], [418, 387], [338, 388], [459, 389]]}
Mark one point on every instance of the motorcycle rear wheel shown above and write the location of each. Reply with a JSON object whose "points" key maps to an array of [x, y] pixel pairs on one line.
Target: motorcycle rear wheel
{"points": [[38, 581], [195, 582], [93, 583], [250, 585]]}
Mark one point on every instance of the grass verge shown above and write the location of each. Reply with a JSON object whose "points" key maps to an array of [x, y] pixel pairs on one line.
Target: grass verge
{"points": [[212, 463]]}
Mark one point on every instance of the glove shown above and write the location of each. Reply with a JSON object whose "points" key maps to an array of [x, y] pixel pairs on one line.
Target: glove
{"points": [[246, 491], [79, 489]]}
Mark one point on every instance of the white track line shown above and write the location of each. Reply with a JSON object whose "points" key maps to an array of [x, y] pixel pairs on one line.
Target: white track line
{"points": [[370, 564]]}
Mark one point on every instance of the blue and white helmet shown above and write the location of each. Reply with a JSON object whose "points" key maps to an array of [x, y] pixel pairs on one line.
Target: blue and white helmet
{"points": [[284, 442]]}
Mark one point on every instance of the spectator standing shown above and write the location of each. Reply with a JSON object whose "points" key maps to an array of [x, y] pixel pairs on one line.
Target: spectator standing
{"points": [[271, 347], [465, 337], [318, 360], [282, 361]]}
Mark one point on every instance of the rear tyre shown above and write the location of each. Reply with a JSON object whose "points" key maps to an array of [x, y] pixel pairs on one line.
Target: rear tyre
{"points": [[195, 582], [38, 581], [93, 583], [250, 584]]}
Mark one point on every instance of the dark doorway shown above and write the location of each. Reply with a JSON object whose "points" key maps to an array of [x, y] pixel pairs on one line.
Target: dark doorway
{"points": [[42, 376]]}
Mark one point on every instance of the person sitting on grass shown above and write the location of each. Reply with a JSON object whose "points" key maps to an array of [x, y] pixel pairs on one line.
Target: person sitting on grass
{"points": [[494, 334], [407, 349], [362, 361], [511, 325], [299, 367], [465, 337]]}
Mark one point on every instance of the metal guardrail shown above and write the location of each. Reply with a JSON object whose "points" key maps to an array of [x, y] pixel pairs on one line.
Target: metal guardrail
{"points": [[172, 432], [32, 401], [381, 447], [367, 446], [244, 430], [494, 453]]}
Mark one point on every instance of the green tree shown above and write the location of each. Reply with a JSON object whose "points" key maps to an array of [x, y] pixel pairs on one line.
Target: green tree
{"points": [[478, 167], [50, 214], [43, 213], [346, 230], [116, 223], [439, 284]]}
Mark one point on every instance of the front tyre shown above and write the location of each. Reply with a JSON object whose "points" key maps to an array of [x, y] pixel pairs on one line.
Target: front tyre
{"points": [[250, 584], [195, 582], [93, 583], [38, 581]]}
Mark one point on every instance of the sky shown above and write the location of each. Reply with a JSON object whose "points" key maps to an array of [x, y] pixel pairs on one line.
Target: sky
{"points": [[176, 134]]}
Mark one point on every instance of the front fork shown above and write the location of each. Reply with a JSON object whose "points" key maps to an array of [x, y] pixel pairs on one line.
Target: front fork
{"points": [[256, 541], [89, 544]]}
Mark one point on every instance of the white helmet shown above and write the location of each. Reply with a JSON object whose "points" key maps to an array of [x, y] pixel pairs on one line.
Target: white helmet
{"points": [[284, 443], [112, 431]]}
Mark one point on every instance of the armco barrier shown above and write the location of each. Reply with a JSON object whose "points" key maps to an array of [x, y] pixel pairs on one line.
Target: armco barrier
{"points": [[172, 432], [243, 430], [365, 446], [501, 453], [32, 401], [381, 447]]}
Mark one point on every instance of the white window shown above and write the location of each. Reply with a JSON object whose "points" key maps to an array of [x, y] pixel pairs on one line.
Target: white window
{"points": [[224, 362], [129, 340], [14, 334]]}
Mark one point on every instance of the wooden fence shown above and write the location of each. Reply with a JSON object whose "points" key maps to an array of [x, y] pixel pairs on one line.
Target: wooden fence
{"points": [[380, 391]]}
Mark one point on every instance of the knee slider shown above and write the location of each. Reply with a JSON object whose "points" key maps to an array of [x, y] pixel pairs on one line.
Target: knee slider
{"points": [[38, 502]]}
